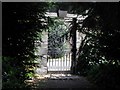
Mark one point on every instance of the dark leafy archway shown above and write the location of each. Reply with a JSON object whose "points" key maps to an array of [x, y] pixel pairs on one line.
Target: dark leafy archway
{"points": [[21, 24], [99, 49]]}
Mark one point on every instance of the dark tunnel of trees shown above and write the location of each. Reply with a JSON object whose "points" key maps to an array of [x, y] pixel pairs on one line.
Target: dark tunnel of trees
{"points": [[98, 57]]}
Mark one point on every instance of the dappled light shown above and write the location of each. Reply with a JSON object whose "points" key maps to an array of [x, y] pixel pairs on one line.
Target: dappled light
{"points": [[59, 81], [41, 49]]}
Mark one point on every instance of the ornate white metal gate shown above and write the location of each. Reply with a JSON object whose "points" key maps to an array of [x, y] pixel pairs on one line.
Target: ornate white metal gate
{"points": [[62, 58], [59, 49]]}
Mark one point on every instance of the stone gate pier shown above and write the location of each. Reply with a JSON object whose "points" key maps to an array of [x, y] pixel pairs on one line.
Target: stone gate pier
{"points": [[42, 49]]}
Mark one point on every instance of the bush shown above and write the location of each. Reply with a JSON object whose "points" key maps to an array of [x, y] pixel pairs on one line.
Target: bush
{"points": [[11, 74], [105, 75], [55, 40]]}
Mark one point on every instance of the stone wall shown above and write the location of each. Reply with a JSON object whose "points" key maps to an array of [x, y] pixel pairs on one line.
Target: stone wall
{"points": [[42, 53]]}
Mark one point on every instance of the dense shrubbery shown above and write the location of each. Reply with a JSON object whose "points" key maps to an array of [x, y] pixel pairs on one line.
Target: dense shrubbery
{"points": [[11, 72], [55, 39], [105, 75], [21, 24], [98, 56], [99, 51]]}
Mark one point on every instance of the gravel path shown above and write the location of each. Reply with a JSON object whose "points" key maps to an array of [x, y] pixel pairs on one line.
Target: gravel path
{"points": [[61, 81]]}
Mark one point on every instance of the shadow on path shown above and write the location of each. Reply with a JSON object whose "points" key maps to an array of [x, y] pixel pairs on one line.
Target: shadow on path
{"points": [[59, 81]]}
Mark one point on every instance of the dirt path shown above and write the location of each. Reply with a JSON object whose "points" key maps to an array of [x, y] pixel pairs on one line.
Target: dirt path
{"points": [[61, 81]]}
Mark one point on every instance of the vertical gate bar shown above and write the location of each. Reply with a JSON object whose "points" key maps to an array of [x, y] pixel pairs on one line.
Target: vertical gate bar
{"points": [[63, 63], [70, 59], [63, 56], [48, 61], [55, 64], [55, 60], [66, 61], [58, 63], [52, 62]]}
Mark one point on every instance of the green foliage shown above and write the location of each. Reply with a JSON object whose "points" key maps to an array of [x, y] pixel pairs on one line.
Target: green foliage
{"points": [[55, 39], [105, 75], [107, 23], [30, 75], [10, 73], [98, 56], [22, 25], [23, 22]]}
